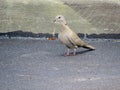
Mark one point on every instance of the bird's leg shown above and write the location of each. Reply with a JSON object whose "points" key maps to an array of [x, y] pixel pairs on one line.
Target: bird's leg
{"points": [[74, 53], [68, 52]]}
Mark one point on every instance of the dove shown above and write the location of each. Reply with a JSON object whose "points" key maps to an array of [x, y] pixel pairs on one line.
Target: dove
{"points": [[68, 37]]}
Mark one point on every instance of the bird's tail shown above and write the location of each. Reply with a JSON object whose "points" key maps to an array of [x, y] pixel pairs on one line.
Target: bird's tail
{"points": [[89, 47]]}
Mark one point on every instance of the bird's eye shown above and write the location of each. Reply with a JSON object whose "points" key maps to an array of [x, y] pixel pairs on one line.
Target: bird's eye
{"points": [[59, 17]]}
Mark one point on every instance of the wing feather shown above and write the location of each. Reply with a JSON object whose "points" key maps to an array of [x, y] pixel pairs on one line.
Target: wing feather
{"points": [[75, 39]]}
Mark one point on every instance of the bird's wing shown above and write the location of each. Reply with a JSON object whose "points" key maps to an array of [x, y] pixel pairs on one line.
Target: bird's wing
{"points": [[74, 38]]}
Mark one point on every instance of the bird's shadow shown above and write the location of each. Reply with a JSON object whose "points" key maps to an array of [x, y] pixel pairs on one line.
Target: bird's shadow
{"points": [[80, 52]]}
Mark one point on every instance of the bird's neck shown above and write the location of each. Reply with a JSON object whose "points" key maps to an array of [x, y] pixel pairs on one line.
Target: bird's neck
{"points": [[65, 26]]}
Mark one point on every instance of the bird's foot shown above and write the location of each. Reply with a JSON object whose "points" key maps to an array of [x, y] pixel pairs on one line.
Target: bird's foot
{"points": [[70, 54], [74, 54], [67, 54]]}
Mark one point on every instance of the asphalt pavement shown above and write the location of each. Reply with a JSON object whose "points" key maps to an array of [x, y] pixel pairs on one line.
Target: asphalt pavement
{"points": [[35, 64]]}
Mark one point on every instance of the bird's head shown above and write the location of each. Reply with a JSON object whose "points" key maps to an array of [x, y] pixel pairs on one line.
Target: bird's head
{"points": [[60, 19]]}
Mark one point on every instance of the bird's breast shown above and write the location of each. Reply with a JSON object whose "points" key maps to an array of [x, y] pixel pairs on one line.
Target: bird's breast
{"points": [[64, 38]]}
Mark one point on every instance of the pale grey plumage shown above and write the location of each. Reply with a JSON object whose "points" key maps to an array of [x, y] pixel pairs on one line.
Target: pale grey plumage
{"points": [[70, 38]]}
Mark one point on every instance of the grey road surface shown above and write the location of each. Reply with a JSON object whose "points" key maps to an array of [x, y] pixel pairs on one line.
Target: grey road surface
{"points": [[41, 65]]}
